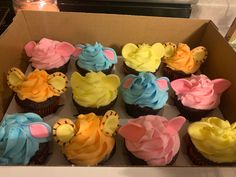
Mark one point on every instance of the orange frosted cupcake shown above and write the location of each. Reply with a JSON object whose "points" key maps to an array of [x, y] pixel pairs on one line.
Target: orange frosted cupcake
{"points": [[90, 140]]}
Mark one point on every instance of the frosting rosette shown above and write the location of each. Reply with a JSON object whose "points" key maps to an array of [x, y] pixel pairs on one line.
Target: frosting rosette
{"points": [[48, 54], [152, 138], [199, 92], [145, 90], [88, 141], [182, 58], [94, 89], [215, 139], [95, 57], [20, 136], [143, 57]]}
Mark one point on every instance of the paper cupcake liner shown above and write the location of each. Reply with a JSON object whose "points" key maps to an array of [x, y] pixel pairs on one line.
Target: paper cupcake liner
{"points": [[41, 155], [197, 158], [43, 109], [136, 111], [190, 113], [127, 70], [83, 71], [173, 75], [98, 111]]}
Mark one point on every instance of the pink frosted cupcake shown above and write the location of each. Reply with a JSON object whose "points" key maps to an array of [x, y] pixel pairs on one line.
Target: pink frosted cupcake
{"points": [[198, 95], [50, 55], [152, 140]]}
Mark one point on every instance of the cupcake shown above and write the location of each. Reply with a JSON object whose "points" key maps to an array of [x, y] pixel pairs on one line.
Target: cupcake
{"points": [[144, 94], [142, 58], [198, 95], [49, 55], [180, 61], [38, 92], [94, 92], [152, 140], [90, 140], [24, 139], [212, 141], [95, 58]]}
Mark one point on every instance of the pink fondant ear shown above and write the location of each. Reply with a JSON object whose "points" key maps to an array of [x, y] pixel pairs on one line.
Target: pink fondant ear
{"points": [[175, 124], [220, 85], [109, 54], [162, 83], [132, 131], [127, 83], [29, 48], [65, 49], [181, 85], [39, 131], [77, 52]]}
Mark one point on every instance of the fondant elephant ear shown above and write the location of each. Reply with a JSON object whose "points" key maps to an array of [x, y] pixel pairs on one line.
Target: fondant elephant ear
{"points": [[110, 55], [15, 78], [220, 85], [58, 82], [199, 54], [158, 50], [63, 131], [163, 83], [110, 123], [170, 49], [29, 47], [65, 49], [128, 50], [39, 130], [181, 85], [175, 124]]}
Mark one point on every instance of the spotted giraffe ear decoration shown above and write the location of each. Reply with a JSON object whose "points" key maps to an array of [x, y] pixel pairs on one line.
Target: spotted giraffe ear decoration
{"points": [[199, 54], [110, 123], [15, 78], [58, 82], [170, 49]]}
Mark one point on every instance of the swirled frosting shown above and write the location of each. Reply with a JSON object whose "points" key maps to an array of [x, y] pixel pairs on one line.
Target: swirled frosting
{"points": [[143, 57], [215, 139], [20, 136], [96, 57], [145, 90], [95, 89], [49, 54], [153, 139], [90, 145], [186, 60], [199, 91]]}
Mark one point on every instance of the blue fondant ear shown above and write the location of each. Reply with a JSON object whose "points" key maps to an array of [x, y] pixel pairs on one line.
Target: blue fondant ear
{"points": [[163, 83]]}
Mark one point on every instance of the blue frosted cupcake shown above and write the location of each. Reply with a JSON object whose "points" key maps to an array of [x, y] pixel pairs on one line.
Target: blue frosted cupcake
{"points": [[24, 139], [144, 94], [95, 58]]}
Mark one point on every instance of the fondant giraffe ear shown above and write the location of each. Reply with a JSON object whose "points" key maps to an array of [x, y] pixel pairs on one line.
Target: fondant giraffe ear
{"points": [[15, 78], [128, 49], [175, 124], [163, 83], [220, 85], [170, 49], [63, 131], [58, 82], [110, 54], [65, 49], [158, 50], [29, 47], [199, 54], [110, 123]]}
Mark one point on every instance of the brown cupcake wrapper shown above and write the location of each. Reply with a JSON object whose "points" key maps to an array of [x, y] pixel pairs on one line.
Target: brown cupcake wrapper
{"points": [[173, 75], [41, 155], [43, 109], [197, 158], [191, 114], [98, 111], [127, 70], [135, 111], [83, 71]]}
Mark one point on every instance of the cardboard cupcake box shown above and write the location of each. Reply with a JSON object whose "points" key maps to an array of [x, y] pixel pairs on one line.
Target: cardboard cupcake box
{"points": [[114, 31]]}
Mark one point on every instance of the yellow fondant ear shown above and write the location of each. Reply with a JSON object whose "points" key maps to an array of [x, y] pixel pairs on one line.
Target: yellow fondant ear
{"points": [[199, 54], [63, 131], [15, 78], [158, 50], [113, 79], [58, 82], [170, 49], [110, 123], [128, 49], [75, 80]]}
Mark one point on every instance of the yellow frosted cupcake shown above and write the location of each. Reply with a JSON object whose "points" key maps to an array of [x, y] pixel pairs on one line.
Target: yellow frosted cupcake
{"points": [[90, 140], [94, 92], [142, 58], [212, 141]]}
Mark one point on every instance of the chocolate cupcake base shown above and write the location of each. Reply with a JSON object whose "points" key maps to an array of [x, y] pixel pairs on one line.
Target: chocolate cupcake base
{"points": [[190, 113], [98, 111], [83, 71], [197, 158], [43, 109], [172, 75], [127, 70], [136, 111], [41, 155]]}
